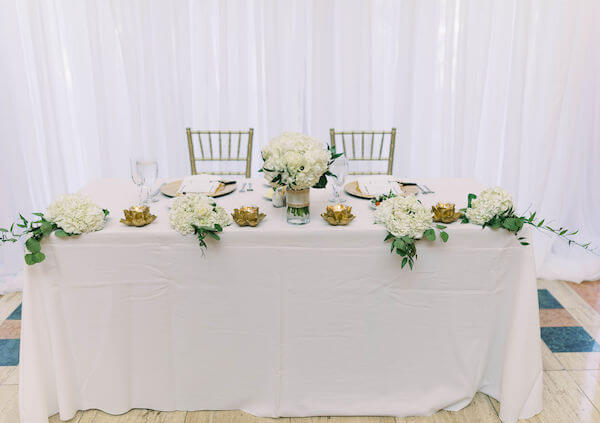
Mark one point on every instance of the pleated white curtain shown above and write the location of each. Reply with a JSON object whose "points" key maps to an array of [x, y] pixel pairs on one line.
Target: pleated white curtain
{"points": [[507, 92]]}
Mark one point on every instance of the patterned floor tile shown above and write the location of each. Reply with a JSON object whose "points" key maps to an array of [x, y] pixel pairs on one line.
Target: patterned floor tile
{"points": [[547, 300], [9, 352], [568, 339], [10, 329], [15, 315], [590, 292], [556, 317]]}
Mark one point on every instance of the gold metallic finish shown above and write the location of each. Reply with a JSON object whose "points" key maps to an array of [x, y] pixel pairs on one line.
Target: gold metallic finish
{"points": [[444, 212], [372, 155], [338, 215], [247, 216], [138, 216], [224, 152]]}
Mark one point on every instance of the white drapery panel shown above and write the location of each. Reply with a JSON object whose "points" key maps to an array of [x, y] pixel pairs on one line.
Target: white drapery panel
{"points": [[507, 92]]}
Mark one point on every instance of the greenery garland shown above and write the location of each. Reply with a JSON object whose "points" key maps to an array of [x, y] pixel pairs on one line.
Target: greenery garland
{"points": [[405, 246], [513, 223], [36, 230]]}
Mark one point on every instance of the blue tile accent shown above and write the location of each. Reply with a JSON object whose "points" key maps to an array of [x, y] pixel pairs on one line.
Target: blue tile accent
{"points": [[547, 300], [568, 339], [16, 314], [9, 352]]}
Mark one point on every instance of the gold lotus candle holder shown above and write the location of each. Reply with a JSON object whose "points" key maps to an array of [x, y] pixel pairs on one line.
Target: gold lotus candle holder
{"points": [[247, 216], [338, 215], [138, 216], [444, 212]]}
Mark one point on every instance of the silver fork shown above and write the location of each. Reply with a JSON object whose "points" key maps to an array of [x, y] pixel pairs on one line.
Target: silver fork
{"points": [[243, 187], [429, 191], [249, 187]]}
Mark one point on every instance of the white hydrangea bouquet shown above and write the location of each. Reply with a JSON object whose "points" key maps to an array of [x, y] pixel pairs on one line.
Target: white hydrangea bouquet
{"points": [[297, 162], [407, 221], [198, 214], [68, 215], [494, 208]]}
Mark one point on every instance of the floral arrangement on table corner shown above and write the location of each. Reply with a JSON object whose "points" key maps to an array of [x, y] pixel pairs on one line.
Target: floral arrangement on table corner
{"points": [[198, 214], [494, 208], [68, 215], [407, 221]]}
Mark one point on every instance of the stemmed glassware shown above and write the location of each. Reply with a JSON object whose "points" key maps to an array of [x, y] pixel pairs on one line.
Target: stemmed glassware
{"points": [[339, 169], [143, 173]]}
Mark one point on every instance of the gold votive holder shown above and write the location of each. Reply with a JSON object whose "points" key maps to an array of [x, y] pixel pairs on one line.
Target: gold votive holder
{"points": [[138, 216], [338, 215], [445, 213], [247, 216]]}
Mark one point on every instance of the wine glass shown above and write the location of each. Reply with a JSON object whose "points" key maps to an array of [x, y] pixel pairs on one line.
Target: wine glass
{"points": [[339, 170], [143, 173]]}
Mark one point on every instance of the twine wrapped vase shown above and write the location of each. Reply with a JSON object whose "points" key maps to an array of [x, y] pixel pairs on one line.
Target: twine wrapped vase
{"points": [[298, 206]]}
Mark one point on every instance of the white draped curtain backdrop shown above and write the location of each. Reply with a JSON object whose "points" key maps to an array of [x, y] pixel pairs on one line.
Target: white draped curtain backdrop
{"points": [[507, 92]]}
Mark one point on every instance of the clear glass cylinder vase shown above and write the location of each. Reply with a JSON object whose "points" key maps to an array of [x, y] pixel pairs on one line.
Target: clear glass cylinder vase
{"points": [[298, 206]]}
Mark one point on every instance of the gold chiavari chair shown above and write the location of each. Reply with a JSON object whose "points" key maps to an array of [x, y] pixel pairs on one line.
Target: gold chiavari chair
{"points": [[367, 146], [225, 153]]}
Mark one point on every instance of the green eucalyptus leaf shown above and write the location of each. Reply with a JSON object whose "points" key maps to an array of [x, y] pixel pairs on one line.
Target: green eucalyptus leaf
{"points": [[444, 236], [33, 245], [429, 234], [61, 233], [29, 259], [38, 257], [213, 235], [46, 227]]}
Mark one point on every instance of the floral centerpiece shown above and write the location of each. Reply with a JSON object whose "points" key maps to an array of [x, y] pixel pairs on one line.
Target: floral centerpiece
{"points": [[297, 162], [407, 221], [68, 215], [494, 208], [198, 214]]}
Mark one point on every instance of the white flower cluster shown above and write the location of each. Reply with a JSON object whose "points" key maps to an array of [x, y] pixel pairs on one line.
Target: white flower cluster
{"points": [[488, 204], [75, 214], [404, 216], [196, 210], [299, 159]]}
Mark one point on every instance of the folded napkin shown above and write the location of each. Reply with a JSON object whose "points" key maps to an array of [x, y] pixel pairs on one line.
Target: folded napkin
{"points": [[377, 186], [205, 184]]}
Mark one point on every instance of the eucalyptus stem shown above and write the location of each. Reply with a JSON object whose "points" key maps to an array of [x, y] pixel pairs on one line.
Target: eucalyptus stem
{"points": [[298, 211], [560, 232]]}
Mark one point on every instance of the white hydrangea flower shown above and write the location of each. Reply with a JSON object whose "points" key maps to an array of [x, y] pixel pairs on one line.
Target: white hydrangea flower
{"points": [[299, 159], [196, 210], [75, 214], [404, 216], [488, 204]]}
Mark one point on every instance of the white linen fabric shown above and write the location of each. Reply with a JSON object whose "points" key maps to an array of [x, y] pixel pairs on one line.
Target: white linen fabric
{"points": [[506, 92], [279, 320]]}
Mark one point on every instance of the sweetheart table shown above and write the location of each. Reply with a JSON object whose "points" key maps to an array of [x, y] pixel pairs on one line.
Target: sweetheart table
{"points": [[279, 320]]}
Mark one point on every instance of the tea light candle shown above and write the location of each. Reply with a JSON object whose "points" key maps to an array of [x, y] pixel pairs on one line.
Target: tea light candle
{"points": [[247, 216]]}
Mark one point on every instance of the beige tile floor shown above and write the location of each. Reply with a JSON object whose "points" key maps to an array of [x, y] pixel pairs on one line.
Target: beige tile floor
{"points": [[571, 386]]}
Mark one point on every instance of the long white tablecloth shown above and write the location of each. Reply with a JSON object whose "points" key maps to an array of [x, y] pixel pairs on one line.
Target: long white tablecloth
{"points": [[279, 320]]}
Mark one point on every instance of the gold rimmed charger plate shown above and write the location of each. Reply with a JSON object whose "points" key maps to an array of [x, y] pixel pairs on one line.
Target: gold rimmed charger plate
{"points": [[353, 189], [170, 189]]}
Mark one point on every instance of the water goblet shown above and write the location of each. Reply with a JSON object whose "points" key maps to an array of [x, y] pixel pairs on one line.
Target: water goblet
{"points": [[339, 171]]}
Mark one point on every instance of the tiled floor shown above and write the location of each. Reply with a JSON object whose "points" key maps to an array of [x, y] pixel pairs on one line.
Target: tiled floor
{"points": [[570, 329]]}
